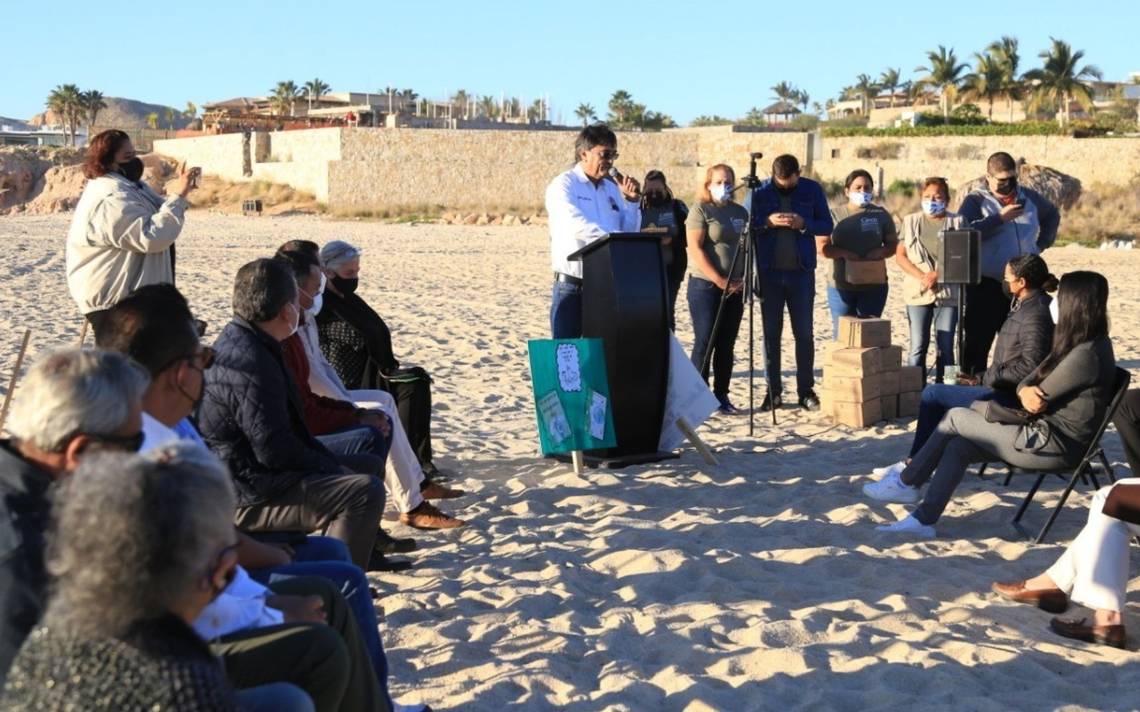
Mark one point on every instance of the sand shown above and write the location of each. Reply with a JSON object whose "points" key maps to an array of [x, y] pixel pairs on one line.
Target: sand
{"points": [[759, 584]]}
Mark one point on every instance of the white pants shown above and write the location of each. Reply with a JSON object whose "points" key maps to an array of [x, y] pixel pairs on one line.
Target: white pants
{"points": [[1094, 569], [402, 472]]}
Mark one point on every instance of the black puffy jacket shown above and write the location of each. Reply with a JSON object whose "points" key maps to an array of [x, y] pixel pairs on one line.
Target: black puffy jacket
{"points": [[252, 417], [1024, 341]]}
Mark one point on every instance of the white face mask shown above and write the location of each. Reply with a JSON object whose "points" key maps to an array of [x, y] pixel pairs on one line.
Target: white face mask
{"points": [[720, 193], [319, 300], [859, 198], [933, 207], [1055, 310], [297, 321]]}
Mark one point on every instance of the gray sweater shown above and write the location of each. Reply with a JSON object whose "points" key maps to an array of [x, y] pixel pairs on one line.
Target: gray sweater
{"points": [[1078, 391]]}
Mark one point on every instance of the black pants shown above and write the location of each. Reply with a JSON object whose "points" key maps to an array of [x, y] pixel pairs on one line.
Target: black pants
{"points": [[413, 402], [1127, 422], [986, 310]]}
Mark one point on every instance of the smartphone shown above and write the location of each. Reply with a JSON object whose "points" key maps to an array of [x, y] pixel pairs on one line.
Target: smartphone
{"points": [[195, 177]]}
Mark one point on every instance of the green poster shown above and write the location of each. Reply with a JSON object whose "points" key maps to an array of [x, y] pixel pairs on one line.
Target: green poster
{"points": [[571, 395]]}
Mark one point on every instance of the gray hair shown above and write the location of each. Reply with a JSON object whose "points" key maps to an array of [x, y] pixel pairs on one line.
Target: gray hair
{"points": [[75, 391], [134, 534], [338, 252]]}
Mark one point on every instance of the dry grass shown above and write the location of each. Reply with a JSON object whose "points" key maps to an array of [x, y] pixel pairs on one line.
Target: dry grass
{"points": [[1102, 213]]}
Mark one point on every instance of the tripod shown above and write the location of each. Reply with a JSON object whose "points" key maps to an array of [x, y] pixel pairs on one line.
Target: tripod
{"points": [[752, 289]]}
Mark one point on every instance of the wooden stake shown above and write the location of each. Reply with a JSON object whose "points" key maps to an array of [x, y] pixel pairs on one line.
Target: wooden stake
{"points": [[705, 451], [14, 378], [579, 460]]}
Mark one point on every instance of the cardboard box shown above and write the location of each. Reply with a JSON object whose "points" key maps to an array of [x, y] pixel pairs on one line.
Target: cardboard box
{"points": [[910, 379], [890, 407], [889, 383], [826, 402], [854, 363], [852, 390], [890, 358], [908, 404], [864, 333], [829, 349], [858, 415]]}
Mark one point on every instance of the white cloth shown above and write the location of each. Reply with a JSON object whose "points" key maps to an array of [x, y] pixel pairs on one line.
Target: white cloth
{"points": [[581, 212], [402, 471], [1094, 569], [242, 604], [119, 240]]}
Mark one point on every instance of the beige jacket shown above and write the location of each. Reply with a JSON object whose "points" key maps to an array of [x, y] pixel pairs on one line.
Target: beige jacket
{"points": [[916, 252], [120, 240]]}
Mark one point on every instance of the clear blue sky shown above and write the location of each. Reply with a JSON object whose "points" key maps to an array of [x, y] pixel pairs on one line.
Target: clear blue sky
{"points": [[682, 58]]}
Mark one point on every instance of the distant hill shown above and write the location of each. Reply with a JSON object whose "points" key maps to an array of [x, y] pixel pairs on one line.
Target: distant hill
{"points": [[125, 114]]}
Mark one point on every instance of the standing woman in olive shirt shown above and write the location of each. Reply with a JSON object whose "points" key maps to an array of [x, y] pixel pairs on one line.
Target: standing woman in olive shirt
{"points": [[865, 235], [713, 232]]}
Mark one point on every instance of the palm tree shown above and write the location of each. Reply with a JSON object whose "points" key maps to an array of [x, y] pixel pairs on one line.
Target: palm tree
{"points": [[314, 90], [867, 89], [889, 80], [191, 110], [801, 97], [621, 104], [284, 97], [784, 92], [943, 72], [1060, 82], [817, 108], [152, 120], [985, 82], [537, 111], [489, 106], [461, 100], [66, 102], [92, 104], [169, 113], [585, 112], [1005, 53]]}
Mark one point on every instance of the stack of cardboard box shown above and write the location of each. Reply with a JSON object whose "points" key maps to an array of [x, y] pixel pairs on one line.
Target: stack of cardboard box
{"points": [[864, 380]]}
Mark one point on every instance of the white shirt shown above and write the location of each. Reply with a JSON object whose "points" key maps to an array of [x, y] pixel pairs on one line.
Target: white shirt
{"points": [[323, 379], [242, 604], [581, 212]]}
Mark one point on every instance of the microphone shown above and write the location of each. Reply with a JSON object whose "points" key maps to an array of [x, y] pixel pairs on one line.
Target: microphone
{"points": [[617, 178]]}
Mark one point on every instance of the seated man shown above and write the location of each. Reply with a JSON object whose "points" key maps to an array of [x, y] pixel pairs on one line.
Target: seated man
{"points": [[345, 428], [252, 416]]}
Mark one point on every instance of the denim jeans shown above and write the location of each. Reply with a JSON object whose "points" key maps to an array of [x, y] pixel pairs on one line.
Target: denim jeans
{"points": [[328, 558], [566, 311], [361, 440], [851, 302], [796, 289], [704, 301], [938, 399], [674, 290], [920, 318], [274, 697]]}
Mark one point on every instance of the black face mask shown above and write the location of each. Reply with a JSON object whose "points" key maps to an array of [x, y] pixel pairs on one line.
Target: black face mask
{"points": [[1006, 186], [345, 286], [1006, 289], [132, 170], [785, 191], [656, 199]]}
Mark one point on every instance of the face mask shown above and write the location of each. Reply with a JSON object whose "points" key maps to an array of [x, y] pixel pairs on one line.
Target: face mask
{"points": [[859, 198], [132, 170], [719, 193], [655, 199], [1005, 288], [783, 190], [345, 286], [1006, 186], [318, 300], [296, 321], [933, 207], [1055, 310]]}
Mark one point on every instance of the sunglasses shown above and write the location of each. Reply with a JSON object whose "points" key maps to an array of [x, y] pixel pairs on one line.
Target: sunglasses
{"points": [[607, 155]]}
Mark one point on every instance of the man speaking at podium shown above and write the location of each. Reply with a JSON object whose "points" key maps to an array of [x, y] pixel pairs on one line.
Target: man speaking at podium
{"points": [[585, 204]]}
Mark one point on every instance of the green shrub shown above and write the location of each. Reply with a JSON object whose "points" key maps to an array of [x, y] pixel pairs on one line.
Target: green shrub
{"points": [[1026, 128], [906, 188]]}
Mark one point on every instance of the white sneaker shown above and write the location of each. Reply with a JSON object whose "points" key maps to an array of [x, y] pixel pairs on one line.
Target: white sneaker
{"points": [[891, 489], [910, 526], [897, 468]]}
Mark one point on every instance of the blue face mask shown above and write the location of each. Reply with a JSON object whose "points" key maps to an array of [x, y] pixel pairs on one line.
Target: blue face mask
{"points": [[933, 207], [720, 193], [859, 198]]}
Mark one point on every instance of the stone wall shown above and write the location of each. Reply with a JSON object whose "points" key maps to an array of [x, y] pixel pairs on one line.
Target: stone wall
{"points": [[219, 156]]}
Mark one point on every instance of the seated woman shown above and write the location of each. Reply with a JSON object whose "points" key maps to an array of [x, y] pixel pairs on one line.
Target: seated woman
{"points": [[359, 345], [1092, 572], [117, 633], [1022, 344], [1064, 399]]}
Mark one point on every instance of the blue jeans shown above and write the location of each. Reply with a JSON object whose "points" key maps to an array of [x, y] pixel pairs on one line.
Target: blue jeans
{"points": [[361, 440], [938, 399], [944, 319], [704, 301], [329, 558], [796, 289], [566, 311], [274, 697], [851, 302]]}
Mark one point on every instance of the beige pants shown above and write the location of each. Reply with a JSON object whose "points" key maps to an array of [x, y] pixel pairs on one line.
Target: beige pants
{"points": [[402, 473]]}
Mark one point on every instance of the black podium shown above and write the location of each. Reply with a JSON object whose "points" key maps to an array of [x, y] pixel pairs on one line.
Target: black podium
{"points": [[625, 304]]}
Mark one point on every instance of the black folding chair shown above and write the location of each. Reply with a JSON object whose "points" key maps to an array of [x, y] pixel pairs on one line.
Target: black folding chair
{"points": [[1085, 471]]}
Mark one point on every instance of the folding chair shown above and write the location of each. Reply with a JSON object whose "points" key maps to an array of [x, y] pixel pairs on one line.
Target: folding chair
{"points": [[1085, 470]]}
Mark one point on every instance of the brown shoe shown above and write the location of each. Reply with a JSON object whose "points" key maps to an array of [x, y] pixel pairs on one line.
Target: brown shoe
{"points": [[1082, 629], [426, 516], [1053, 600], [435, 490]]}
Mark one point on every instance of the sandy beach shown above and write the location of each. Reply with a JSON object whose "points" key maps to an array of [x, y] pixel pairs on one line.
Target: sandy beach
{"points": [[759, 584]]}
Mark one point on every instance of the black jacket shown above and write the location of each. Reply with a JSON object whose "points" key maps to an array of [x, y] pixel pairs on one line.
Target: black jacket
{"points": [[1024, 341], [252, 417], [356, 341], [24, 516]]}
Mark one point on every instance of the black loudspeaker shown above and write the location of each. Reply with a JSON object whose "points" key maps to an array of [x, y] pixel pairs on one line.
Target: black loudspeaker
{"points": [[959, 257]]}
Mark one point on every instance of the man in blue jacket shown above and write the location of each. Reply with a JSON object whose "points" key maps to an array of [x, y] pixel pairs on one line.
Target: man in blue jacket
{"points": [[1013, 220], [788, 213]]}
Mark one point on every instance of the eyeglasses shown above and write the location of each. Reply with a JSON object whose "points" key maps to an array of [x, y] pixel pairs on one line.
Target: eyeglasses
{"points": [[609, 155]]}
